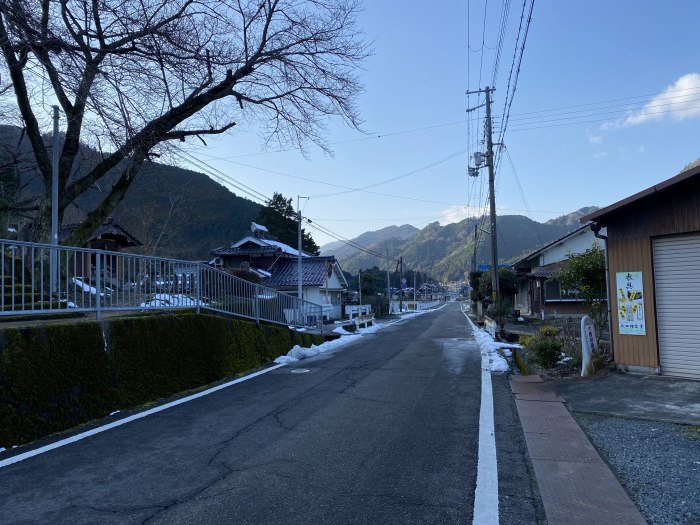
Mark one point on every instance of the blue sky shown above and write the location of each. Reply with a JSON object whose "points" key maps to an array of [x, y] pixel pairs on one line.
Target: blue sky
{"points": [[603, 62]]}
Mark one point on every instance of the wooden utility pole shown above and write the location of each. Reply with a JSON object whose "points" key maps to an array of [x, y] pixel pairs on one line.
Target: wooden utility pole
{"points": [[474, 256], [492, 200], [492, 192]]}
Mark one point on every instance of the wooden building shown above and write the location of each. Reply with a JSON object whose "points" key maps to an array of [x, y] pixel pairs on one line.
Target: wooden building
{"points": [[109, 236], [653, 245]]}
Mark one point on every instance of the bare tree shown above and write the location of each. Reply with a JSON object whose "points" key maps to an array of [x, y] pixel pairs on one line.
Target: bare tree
{"points": [[132, 76]]}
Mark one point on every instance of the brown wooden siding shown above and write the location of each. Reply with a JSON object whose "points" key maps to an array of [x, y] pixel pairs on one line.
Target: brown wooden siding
{"points": [[634, 255], [673, 211]]}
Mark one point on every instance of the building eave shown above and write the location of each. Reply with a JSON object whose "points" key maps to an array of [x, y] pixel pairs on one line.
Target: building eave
{"points": [[599, 216]]}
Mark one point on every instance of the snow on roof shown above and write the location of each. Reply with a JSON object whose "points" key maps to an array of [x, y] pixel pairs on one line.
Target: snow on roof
{"points": [[259, 271], [267, 242], [255, 227]]}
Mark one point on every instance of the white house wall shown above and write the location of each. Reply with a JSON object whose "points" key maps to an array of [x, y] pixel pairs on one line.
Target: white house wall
{"points": [[578, 243]]}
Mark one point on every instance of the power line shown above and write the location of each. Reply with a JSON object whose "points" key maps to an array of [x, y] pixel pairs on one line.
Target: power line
{"points": [[560, 117], [657, 96], [578, 122], [322, 229], [221, 176], [505, 11], [457, 153], [522, 194], [508, 102]]}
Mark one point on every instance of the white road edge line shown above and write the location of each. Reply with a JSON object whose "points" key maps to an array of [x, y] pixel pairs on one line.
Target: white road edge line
{"points": [[134, 417], [486, 494]]}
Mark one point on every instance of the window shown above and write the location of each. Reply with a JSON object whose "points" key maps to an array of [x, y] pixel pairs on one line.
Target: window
{"points": [[553, 292]]}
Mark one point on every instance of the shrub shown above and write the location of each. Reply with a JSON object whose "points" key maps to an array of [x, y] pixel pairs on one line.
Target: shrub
{"points": [[549, 331], [525, 339], [547, 350]]}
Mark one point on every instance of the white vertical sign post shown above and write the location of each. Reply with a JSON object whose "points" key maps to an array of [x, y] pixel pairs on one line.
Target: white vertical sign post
{"points": [[589, 346]]}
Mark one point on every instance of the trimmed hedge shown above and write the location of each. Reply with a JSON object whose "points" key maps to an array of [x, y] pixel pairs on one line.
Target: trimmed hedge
{"points": [[51, 378], [55, 377]]}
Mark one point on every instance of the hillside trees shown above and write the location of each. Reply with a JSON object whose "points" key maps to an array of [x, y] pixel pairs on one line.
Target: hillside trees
{"points": [[132, 77], [279, 217]]}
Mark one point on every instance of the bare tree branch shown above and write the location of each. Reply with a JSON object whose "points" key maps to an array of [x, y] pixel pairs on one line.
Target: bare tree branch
{"points": [[133, 75]]}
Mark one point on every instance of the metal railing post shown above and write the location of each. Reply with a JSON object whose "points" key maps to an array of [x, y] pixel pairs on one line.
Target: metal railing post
{"points": [[321, 320], [198, 289], [98, 284], [256, 304]]}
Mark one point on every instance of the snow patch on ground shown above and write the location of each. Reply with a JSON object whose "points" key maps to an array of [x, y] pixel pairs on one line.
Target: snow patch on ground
{"points": [[163, 299], [298, 352], [486, 343]]}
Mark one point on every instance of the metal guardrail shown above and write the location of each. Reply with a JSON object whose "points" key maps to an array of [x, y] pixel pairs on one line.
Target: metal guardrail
{"points": [[43, 279]]}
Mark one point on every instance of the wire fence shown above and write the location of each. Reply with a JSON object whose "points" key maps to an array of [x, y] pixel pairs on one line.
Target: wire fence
{"points": [[43, 279], [570, 333]]}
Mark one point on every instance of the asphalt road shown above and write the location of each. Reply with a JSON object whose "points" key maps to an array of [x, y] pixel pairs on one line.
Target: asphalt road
{"points": [[381, 431]]}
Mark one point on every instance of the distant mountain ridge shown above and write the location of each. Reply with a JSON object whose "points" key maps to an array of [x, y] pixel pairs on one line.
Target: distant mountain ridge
{"points": [[447, 252], [341, 249]]}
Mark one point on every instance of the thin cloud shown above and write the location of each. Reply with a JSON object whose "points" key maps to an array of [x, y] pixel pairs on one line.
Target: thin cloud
{"points": [[593, 138], [677, 102], [459, 213]]}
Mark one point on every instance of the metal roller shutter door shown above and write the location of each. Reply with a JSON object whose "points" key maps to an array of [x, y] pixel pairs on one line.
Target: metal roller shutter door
{"points": [[677, 287]]}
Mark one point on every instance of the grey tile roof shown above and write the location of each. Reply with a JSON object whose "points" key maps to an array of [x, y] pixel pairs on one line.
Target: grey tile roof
{"points": [[313, 272], [548, 269], [244, 250]]}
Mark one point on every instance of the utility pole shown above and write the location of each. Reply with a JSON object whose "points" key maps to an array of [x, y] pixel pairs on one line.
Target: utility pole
{"points": [[492, 200], [359, 283], [492, 192], [399, 266], [474, 257], [53, 258], [299, 293], [388, 283], [414, 286]]}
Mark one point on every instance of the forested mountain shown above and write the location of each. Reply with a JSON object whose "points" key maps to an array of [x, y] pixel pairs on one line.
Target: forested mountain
{"points": [[174, 212], [341, 249], [183, 214], [446, 252]]}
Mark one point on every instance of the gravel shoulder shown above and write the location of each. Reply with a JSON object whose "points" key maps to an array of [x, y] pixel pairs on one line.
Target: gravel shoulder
{"points": [[657, 463]]}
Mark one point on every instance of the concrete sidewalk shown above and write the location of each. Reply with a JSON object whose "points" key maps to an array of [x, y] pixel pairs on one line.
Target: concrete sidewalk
{"points": [[576, 485], [652, 397]]}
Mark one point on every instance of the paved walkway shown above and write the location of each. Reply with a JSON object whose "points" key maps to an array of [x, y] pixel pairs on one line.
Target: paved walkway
{"points": [[576, 485], [651, 397]]}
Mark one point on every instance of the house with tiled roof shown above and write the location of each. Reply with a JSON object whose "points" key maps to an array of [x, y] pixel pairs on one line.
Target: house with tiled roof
{"points": [[277, 264], [539, 295], [322, 282]]}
